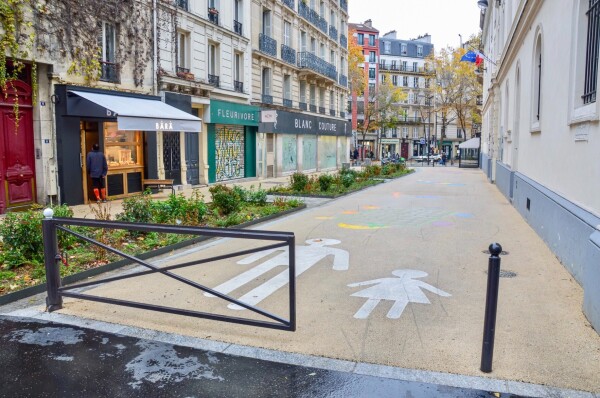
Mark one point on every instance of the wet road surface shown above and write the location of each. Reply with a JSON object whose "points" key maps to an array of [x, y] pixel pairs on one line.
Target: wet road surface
{"points": [[44, 359]]}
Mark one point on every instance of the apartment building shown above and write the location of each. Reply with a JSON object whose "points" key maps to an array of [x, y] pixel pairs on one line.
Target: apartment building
{"points": [[540, 133], [299, 81], [403, 62]]}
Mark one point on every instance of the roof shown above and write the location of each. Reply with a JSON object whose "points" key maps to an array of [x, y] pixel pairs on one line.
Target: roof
{"points": [[411, 47], [362, 27], [473, 143]]}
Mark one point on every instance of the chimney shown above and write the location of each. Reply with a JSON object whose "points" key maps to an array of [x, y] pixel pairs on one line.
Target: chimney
{"points": [[369, 23]]}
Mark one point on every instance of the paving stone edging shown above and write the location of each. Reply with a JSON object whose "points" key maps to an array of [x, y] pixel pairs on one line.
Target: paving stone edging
{"points": [[33, 290]]}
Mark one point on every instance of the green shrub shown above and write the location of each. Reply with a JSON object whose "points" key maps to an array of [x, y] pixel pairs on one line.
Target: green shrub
{"points": [[325, 181], [225, 199], [299, 181], [258, 197], [137, 209], [348, 179], [388, 169]]}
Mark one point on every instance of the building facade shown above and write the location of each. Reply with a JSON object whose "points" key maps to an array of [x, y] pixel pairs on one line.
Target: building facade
{"points": [[367, 37], [403, 62], [299, 81], [540, 133]]}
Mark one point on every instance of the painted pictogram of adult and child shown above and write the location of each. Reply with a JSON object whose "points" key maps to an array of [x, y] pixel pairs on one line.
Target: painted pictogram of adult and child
{"points": [[402, 289]]}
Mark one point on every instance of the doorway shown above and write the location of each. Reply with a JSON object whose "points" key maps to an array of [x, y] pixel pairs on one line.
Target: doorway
{"points": [[89, 136], [172, 156]]}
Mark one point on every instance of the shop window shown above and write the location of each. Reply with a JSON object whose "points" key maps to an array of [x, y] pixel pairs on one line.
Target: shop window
{"points": [[122, 148]]}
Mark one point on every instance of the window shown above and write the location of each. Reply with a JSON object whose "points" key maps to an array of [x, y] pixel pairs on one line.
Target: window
{"points": [[415, 66], [266, 19], [382, 78], [404, 132], [332, 18], [371, 40], [332, 57], [322, 97], [213, 59], [313, 94], [419, 51], [122, 148], [416, 82], [427, 82], [341, 107], [411, 98], [182, 50], [238, 64], [404, 65], [591, 54], [237, 16], [331, 100], [393, 65], [313, 45], [360, 39], [371, 88], [322, 8], [403, 48], [287, 87], [287, 33], [266, 81], [415, 132], [382, 64], [302, 41], [303, 91], [387, 47], [537, 81], [405, 81], [395, 80], [371, 73], [108, 61], [372, 58], [322, 46]]}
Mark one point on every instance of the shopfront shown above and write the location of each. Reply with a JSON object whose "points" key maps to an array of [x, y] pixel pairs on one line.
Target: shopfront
{"points": [[390, 146], [231, 136], [124, 125], [291, 142]]}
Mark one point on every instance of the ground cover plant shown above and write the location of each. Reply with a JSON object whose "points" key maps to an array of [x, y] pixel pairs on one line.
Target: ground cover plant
{"points": [[346, 181], [21, 245]]}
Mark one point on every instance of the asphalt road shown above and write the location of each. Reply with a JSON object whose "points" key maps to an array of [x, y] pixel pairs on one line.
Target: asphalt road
{"points": [[392, 275]]}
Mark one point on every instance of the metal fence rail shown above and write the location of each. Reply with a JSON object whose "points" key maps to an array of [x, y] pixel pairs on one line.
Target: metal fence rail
{"points": [[56, 292]]}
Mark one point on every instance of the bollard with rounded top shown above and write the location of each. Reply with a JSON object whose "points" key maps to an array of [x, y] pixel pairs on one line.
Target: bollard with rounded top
{"points": [[491, 307], [51, 261]]}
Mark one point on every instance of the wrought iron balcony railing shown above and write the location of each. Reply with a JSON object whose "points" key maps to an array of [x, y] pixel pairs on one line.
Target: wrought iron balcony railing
{"points": [[213, 15], [401, 68], [343, 41], [289, 3], [313, 108], [288, 103], [344, 5], [342, 114], [333, 33], [109, 72], [183, 4], [322, 110], [267, 44], [238, 86], [311, 61], [332, 112], [213, 80], [267, 99], [312, 16], [183, 70], [237, 27], [410, 120], [303, 105], [343, 80], [288, 54]]}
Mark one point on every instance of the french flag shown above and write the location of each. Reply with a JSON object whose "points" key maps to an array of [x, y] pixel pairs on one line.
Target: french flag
{"points": [[471, 56]]}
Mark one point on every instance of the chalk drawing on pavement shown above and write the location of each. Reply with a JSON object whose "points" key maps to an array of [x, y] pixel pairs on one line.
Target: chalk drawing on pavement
{"points": [[306, 257], [401, 290], [355, 226]]}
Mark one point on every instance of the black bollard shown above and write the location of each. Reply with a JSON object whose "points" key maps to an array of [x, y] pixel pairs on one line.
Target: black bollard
{"points": [[52, 263], [491, 307]]}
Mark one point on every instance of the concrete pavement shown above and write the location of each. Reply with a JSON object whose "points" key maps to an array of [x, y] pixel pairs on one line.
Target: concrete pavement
{"points": [[427, 230]]}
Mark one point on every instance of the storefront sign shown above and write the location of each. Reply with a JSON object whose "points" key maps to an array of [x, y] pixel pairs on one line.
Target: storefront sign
{"points": [[389, 141], [300, 123], [223, 112]]}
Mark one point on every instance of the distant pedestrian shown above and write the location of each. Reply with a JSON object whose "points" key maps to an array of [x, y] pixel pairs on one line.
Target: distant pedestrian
{"points": [[355, 154], [443, 158], [97, 169]]}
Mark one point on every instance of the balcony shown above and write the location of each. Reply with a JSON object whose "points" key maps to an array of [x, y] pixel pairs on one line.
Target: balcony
{"points": [[213, 80], [237, 27], [322, 110], [312, 16], [332, 112], [109, 72], [183, 4], [410, 120], [333, 33], [303, 106], [342, 114], [311, 61], [213, 15], [288, 103], [288, 54], [267, 99], [289, 3], [267, 44], [343, 41], [238, 86], [402, 68], [344, 5], [313, 108], [343, 80]]}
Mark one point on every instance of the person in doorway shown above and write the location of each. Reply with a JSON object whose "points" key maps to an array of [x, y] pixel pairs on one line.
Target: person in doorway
{"points": [[97, 169], [355, 154], [372, 155], [443, 158]]}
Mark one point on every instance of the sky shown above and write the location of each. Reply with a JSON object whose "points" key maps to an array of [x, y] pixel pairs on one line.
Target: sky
{"points": [[444, 20]]}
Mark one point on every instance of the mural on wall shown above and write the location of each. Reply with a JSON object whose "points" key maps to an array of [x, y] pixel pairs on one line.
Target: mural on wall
{"points": [[289, 153], [309, 152], [229, 156]]}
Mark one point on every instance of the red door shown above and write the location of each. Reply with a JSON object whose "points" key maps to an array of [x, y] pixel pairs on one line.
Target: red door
{"points": [[17, 161], [404, 150]]}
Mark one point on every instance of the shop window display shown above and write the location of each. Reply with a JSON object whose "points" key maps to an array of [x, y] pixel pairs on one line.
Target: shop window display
{"points": [[122, 148]]}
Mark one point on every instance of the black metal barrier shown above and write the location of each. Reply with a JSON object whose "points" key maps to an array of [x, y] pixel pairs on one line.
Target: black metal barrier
{"points": [[56, 292], [491, 307]]}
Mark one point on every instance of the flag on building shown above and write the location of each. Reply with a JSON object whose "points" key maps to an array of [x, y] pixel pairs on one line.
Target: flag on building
{"points": [[471, 56]]}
